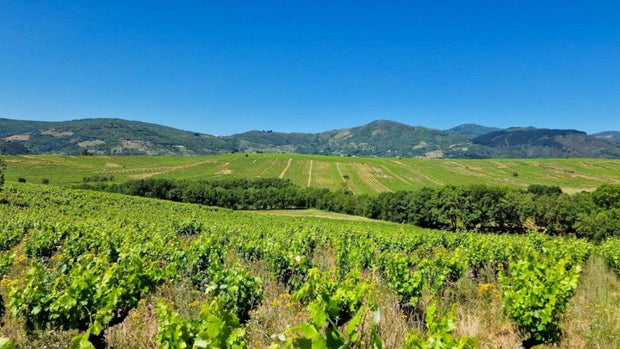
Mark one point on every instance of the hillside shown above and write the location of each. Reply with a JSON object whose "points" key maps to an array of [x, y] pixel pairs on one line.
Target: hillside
{"points": [[612, 136], [354, 174], [381, 138], [388, 138], [12, 148], [534, 143], [108, 136], [472, 130]]}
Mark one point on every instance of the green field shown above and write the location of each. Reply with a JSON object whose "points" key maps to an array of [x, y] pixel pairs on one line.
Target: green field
{"points": [[88, 267], [359, 175], [314, 213]]}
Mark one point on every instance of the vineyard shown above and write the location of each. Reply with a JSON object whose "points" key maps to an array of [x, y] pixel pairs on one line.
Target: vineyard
{"points": [[357, 175], [86, 269]]}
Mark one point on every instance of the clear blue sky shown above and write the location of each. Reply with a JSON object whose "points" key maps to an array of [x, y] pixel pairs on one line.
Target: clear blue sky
{"points": [[224, 67]]}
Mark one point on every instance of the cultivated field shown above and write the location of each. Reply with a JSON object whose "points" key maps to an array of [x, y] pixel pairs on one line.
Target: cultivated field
{"points": [[359, 175], [104, 270]]}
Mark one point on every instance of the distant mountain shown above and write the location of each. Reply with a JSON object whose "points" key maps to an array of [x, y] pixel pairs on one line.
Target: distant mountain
{"points": [[472, 130], [378, 138], [533, 143], [612, 136], [273, 142], [389, 138], [108, 136]]}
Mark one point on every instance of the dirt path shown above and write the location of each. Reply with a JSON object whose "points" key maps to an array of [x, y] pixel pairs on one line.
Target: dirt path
{"points": [[402, 179], [144, 175], [224, 170], [370, 180], [160, 168], [267, 169], [310, 173], [428, 178], [163, 170], [343, 179], [592, 318], [598, 179], [288, 164]]}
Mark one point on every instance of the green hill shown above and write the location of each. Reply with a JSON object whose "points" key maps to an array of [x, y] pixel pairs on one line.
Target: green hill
{"points": [[12, 148], [360, 175], [535, 143], [388, 138], [380, 138], [472, 130], [108, 136], [612, 136]]}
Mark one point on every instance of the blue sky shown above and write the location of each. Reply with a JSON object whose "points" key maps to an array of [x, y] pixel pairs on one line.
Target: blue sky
{"points": [[227, 66]]}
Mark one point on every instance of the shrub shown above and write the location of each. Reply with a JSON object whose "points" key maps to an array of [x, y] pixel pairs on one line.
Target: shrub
{"points": [[439, 333], [536, 295]]}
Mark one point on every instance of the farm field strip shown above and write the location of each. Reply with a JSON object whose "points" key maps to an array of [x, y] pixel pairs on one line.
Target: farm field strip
{"points": [[366, 174], [298, 172], [310, 173], [288, 164], [359, 175], [273, 163], [355, 183], [153, 168], [415, 170], [393, 174], [313, 213], [344, 181]]}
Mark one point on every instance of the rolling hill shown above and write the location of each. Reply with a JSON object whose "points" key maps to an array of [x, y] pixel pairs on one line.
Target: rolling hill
{"points": [[378, 138], [535, 143], [472, 130], [612, 136], [108, 136], [359, 175]]}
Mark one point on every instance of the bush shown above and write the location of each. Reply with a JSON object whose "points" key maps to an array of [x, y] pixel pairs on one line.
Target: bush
{"points": [[215, 327], [45, 181], [439, 333], [538, 189], [21, 180], [536, 294]]}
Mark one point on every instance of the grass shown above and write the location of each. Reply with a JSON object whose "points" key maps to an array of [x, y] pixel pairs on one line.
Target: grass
{"points": [[593, 317], [314, 213], [359, 175]]}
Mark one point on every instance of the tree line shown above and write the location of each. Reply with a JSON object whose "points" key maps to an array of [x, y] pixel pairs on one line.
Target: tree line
{"points": [[594, 215]]}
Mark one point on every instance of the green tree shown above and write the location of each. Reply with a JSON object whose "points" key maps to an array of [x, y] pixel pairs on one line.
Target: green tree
{"points": [[598, 225], [607, 196]]}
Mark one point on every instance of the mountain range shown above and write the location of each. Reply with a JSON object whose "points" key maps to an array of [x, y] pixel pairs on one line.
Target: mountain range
{"points": [[378, 138]]}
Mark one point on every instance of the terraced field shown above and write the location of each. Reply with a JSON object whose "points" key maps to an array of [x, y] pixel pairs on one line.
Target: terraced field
{"points": [[359, 175]]}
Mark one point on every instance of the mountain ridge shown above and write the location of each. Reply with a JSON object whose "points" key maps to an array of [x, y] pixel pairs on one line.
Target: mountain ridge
{"points": [[612, 136], [113, 136]]}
